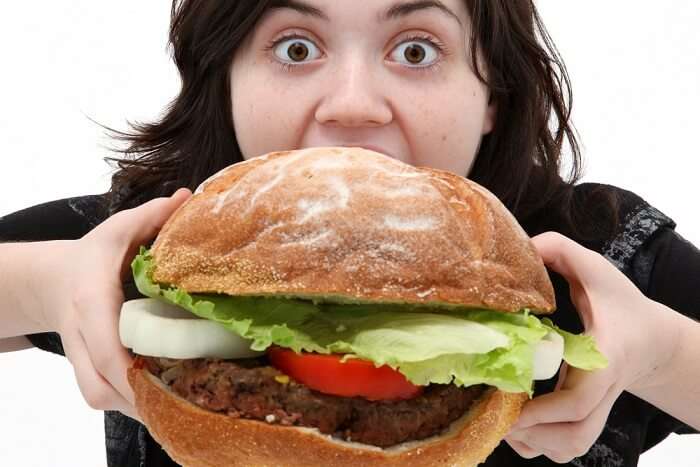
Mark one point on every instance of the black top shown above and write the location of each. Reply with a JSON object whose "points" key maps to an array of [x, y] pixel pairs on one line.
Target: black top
{"points": [[646, 248]]}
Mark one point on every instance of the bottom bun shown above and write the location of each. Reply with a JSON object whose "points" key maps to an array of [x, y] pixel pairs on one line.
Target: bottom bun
{"points": [[195, 437]]}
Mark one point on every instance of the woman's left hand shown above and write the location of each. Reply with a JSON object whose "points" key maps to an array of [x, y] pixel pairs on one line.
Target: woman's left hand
{"points": [[635, 334]]}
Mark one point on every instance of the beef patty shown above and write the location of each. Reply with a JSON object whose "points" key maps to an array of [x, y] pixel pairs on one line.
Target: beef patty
{"points": [[251, 389]]}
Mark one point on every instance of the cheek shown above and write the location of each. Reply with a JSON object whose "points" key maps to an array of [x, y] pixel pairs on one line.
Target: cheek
{"points": [[266, 116], [446, 126]]}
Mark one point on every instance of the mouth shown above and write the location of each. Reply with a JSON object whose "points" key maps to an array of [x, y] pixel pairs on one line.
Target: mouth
{"points": [[370, 147]]}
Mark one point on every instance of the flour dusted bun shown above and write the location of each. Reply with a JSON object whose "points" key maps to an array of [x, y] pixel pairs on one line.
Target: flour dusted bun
{"points": [[351, 225], [195, 437]]}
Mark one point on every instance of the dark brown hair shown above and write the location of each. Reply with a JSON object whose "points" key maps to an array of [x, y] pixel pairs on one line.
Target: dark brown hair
{"points": [[519, 161]]}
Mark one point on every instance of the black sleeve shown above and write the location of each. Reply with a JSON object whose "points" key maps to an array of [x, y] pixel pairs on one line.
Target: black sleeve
{"points": [[64, 219], [675, 272], [668, 268]]}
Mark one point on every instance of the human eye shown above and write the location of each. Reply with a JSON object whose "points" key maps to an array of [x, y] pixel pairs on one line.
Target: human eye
{"points": [[294, 49], [418, 51]]}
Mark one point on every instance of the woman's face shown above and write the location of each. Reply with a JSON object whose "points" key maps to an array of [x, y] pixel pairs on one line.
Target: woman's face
{"points": [[393, 76]]}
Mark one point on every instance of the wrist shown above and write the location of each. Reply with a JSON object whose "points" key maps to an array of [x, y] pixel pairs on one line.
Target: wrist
{"points": [[673, 387], [662, 344], [20, 311], [47, 280]]}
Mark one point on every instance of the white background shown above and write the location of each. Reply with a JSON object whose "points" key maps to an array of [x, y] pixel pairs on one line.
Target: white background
{"points": [[635, 69]]}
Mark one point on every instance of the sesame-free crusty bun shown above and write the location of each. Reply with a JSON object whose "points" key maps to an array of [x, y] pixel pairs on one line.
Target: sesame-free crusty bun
{"points": [[195, 437], [350, 225], [343, 225]]}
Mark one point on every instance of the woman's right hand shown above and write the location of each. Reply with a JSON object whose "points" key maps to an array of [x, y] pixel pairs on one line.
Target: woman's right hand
{"points": [[84, 297]]}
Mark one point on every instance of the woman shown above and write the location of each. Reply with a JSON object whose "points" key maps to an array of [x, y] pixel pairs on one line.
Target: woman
{"points": [[319, 73]]}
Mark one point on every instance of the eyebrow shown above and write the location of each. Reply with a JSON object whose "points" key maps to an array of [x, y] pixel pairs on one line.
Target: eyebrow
{"points": [[396, 11], [300, 7], [402, 9]]}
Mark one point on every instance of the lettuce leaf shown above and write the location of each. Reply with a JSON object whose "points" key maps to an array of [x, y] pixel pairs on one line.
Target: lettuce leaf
{"points": [[427, 345]]}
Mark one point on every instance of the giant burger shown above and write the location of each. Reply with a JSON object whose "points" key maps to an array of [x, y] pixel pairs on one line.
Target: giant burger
{"points": [[336, 307]]}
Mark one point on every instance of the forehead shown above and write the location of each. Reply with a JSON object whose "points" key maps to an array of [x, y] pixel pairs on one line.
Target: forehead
{"points": [[377, 11]]}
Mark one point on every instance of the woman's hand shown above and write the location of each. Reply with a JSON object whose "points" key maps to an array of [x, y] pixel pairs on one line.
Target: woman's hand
{"points": [[637, 335], [84, 298]]}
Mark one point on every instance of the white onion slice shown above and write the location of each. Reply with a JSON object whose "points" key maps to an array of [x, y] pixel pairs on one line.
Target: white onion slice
{"points": [[156, 329], [548, 355]]}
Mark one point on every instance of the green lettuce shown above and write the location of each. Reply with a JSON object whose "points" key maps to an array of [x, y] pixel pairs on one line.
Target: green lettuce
{"points": [[427, 345]]}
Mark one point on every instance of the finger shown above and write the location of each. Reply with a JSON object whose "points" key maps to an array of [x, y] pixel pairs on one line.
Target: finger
{"points": [[561, 442], [98, 312], [529, 452], [96, 391], [566, 257], [563, 372], [523, 450], [579, 394]]}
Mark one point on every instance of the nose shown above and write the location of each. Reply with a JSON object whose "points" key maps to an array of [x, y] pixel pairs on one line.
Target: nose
{"points": [[354, 98]]}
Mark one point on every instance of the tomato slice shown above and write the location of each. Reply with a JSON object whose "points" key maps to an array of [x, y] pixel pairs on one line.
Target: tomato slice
{"points": [[355, 377]]}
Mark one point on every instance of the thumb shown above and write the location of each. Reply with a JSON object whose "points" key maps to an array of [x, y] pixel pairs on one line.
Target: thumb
{"points": [[137, 226], [142, 223], [573, 261]]}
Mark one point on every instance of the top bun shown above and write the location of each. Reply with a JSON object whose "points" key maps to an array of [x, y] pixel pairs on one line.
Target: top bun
{"points": [[350, 225]]}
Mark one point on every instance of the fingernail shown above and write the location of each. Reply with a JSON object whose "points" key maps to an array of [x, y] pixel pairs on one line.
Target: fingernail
{"points": [[177, 192], [514, 428]]}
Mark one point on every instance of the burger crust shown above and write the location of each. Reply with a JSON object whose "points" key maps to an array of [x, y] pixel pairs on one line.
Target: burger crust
{"points": [[351, 225], [195, 437]]}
